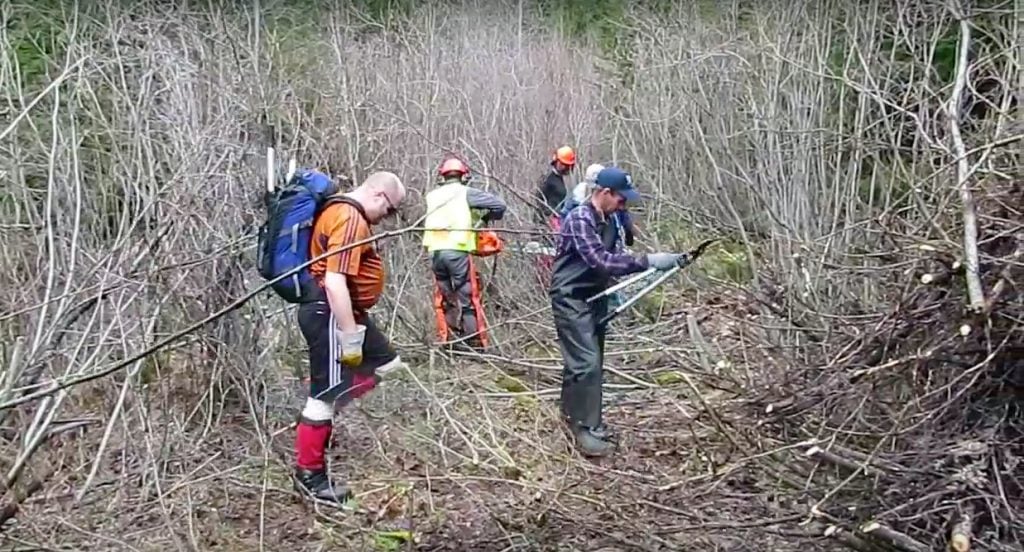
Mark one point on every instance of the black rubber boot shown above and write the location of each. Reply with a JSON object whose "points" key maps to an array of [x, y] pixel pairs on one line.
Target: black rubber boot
{"points": [[603, 432], [590, 444], [316, 484]]}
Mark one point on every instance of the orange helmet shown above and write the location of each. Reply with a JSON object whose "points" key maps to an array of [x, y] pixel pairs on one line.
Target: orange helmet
{"points": [[453, 165], [565, 155], [488, 243]]}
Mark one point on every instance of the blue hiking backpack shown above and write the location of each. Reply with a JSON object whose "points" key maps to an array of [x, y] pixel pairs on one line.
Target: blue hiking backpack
{"points": [[283, 240]]}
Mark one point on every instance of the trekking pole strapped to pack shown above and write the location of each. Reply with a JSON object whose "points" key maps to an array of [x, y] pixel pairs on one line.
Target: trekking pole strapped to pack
{"points": [[271, 164]]}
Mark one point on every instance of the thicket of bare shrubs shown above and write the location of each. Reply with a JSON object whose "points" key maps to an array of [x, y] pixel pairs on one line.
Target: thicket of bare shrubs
{"points": [[823, 377]]}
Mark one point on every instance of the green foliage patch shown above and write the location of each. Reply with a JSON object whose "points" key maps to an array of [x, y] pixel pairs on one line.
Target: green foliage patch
{"points": [[38, 38]]}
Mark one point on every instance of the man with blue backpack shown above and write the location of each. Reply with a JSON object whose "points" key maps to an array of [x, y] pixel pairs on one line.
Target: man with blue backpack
{"points": [[317, 249]]}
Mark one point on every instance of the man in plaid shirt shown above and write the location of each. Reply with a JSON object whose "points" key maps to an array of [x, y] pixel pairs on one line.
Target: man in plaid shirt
{"points": [[584, 264]]}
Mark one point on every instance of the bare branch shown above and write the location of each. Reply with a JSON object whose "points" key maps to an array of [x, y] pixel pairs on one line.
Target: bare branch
{"points": [[975, 293]]}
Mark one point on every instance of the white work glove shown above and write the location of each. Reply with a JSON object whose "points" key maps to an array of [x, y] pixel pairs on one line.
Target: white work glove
{"points": [[663, 261], [352, 346]]}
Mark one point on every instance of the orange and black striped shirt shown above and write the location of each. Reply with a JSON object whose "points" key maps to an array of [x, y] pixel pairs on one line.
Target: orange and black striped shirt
{"points": [[338, 225]]}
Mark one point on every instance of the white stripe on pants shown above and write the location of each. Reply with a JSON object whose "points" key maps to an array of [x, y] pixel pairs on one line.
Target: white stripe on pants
{"points": [[334, 371]]}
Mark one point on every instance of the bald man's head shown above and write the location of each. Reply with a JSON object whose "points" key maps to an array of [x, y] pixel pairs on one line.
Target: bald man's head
{"points": [[380, 194], [387, 182]]}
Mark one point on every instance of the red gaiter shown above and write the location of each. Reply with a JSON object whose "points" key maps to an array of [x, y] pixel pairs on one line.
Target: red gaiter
{"points": [[310, 444]]}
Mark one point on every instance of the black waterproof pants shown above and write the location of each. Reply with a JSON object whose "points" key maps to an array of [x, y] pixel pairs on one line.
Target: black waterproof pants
{"points": [[582, 345]]}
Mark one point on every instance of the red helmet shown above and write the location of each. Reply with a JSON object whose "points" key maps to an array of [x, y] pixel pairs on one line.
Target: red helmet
{"points": [[453, 165]]}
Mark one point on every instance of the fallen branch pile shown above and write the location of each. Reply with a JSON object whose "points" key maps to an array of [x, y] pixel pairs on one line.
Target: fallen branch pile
{"points": [[910, 436]]}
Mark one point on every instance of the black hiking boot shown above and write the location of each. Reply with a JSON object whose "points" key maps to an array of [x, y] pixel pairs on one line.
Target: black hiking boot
{"points": [[590, 444], [470, 345], [317, 485], [476, 345]]}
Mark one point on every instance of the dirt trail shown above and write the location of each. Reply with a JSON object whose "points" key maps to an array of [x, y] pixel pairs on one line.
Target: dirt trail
{"points": [[449, 455], [466, 470]]}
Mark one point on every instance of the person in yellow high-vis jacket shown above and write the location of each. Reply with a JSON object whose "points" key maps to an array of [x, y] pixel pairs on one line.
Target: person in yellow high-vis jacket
{"points": [[451, 243]]}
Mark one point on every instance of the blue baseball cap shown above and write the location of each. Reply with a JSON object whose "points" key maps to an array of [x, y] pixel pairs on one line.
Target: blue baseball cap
{"points": [[618, 180]]}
